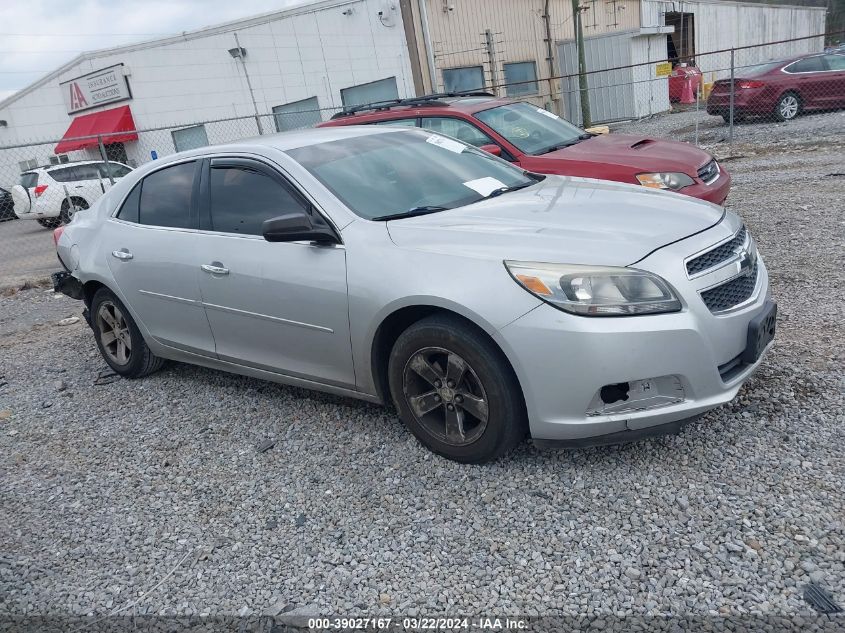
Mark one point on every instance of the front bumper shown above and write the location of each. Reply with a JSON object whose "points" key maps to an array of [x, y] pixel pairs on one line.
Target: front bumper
{"points": [[562, 360], [716, 192]]}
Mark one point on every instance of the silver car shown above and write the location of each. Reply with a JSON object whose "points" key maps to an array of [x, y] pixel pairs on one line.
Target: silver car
{"points": [[400, 266]]}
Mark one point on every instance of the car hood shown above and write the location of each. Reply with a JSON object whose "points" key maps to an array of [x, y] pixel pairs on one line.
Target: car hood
{"points": [[564, 220], [640, 153]]}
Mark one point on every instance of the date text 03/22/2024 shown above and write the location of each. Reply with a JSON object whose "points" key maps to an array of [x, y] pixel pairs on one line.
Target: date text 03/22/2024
{"points": [[419, 624]]}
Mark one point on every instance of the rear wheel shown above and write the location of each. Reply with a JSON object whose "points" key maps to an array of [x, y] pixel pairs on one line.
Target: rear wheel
{"points": [[455, 391], [49, 223], [119, 339], [788, 107], [77, 204]]}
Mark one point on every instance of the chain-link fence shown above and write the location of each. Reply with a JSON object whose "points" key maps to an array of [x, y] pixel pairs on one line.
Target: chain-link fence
{"points": [[45, 181]]}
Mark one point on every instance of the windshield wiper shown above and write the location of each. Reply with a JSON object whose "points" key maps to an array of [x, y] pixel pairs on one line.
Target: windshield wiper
{"points": [[501, 190], [583, 137], [410, 213]]}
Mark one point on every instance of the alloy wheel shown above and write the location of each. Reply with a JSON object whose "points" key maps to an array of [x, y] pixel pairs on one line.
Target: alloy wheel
{"points": [[114, 333], [789, 107], [445, 395]]}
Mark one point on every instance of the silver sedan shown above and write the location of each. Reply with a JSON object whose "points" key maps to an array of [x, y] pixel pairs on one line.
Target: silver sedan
{"points": [[395, 265]]}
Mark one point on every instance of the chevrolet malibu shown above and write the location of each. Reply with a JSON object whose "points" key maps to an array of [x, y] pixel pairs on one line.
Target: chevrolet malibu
{"points": [[399, 266]]}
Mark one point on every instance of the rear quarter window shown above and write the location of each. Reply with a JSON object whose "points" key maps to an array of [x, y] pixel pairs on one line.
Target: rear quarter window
{"points": [[64, 174], [29, 180]]}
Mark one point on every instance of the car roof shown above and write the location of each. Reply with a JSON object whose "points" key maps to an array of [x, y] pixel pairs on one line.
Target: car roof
{"points": [[468, 103]]}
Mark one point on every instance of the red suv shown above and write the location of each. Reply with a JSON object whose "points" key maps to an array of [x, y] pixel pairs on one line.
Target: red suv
{"points": [[539, 141]]}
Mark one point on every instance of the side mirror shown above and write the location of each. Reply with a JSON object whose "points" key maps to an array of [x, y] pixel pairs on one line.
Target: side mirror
{"points": [[297, 227], [492, 149]]}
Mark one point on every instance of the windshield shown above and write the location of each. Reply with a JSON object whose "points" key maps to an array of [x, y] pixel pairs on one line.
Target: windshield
{"points": [[406, 170], [531, 129]]}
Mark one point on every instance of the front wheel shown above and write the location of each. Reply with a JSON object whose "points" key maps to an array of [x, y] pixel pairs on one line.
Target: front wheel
{"points": [[119, 339], [788, 107], [455, 390]]}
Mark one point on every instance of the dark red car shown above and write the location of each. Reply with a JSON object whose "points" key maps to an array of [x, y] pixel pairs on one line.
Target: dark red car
{"points": [[539, 141], [783, 89]]}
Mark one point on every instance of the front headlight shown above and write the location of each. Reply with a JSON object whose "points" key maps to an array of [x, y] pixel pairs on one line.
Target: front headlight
{"points": [[665, 180], [595, 290]]}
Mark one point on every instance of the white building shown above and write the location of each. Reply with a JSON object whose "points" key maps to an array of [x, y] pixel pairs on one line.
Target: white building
{"points": [[289, 63]]}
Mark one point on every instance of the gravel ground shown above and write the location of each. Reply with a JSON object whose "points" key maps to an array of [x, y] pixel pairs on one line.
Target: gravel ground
{"points": [[151, 496]]}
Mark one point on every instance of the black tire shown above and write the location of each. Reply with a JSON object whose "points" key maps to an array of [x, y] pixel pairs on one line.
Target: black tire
{"points": [[487, 384], [738, 118], [65, 216], [140, 361], [788, 106], [49, 223]]}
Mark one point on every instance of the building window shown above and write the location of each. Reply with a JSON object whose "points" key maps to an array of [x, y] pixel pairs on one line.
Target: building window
{"points": [[463, 79], [26, 165], [189, 138], [521, 72], [381, 90], [297, 115], [61, 158]]}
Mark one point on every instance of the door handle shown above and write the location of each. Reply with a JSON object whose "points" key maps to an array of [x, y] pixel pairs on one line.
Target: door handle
{"points": [[214, 270], [122, 254]]}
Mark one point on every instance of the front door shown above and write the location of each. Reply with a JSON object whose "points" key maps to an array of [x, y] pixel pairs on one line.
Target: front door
{"points": [[151, 248], [281, 307]]}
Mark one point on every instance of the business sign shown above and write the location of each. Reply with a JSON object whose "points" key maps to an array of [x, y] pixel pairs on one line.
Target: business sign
{"points": [[95, 89]]}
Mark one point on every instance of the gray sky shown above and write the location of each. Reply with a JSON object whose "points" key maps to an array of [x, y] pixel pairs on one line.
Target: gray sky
{"points": [[37, 36]]}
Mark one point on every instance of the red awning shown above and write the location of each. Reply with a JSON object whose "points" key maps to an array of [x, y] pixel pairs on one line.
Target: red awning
{"points": [[84, 129]]}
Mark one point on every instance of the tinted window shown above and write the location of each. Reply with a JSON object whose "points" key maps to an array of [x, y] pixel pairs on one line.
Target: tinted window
{"points": [[835, 62], [66, 174], [521, 78], [87, 172], [808, 65], [29, 180], [532, 129], [461, 130], [166, 196], [129, 210], [117, 170], [242, 198]]}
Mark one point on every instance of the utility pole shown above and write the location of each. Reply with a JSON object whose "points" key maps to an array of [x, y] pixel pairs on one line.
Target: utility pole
{"points": [[550, 59], [586, 120]]}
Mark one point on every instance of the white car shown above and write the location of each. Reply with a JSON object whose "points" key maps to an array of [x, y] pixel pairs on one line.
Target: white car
{"points": [[50, 195]]}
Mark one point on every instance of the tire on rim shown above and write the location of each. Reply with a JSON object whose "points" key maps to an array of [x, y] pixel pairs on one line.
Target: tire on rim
{"points": [[67, 212], [788, 106], [455, 390], [119, 339]]}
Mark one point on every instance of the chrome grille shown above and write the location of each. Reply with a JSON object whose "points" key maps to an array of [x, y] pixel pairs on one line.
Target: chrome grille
{"points": [[716, 256], [709, 172], [730, 294]]}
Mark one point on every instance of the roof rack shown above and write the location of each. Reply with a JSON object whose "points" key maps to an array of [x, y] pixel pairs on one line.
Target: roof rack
{"points": [[434, 99]]}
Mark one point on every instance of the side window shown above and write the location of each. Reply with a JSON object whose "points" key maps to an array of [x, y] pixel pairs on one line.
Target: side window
{"points": [[129, 209], [835, 62], [65, 174], [166, 197], [461, 130], [808, 65], [399, 122], [87, 172], [117, 171], [242, 198]]}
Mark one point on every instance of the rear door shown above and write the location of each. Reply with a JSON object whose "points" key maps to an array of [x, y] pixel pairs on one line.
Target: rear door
{"points": [[151, 246], [280, 307], [810, 78]]}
